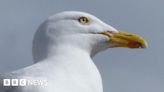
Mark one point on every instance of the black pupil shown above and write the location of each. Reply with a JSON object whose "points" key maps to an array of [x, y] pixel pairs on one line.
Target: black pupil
{"points": [[83, 19]]}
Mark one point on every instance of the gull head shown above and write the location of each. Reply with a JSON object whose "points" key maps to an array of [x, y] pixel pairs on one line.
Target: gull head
{"points": [[83, 31]]}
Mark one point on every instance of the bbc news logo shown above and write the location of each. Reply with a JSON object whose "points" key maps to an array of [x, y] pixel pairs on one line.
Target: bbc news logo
{"points": [[24, 82]]}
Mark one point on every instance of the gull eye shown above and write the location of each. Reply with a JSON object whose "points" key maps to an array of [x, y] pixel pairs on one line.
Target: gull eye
{"points": [[83, 20]]}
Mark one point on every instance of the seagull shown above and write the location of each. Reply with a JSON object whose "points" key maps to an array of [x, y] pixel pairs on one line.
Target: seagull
{"points": [[63, 48]]}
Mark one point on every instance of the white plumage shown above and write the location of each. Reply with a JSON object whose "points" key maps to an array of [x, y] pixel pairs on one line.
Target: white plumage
{"points": [[63, 48]]}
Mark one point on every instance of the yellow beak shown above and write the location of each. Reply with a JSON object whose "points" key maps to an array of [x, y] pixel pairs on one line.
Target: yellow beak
{"points": [[125, 39]]}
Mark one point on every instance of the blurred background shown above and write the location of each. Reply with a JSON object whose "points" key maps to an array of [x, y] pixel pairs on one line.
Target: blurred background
{"points": [[122, 70]]}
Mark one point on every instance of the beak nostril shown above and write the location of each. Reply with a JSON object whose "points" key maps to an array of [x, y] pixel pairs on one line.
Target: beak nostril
{"points": [[128, 35]]}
